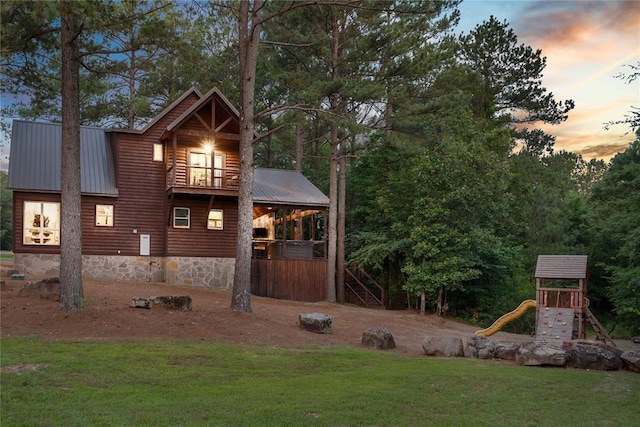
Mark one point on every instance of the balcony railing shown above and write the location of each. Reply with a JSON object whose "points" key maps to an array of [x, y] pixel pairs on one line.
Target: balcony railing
{"points": [[198, 177], [561, 297]]}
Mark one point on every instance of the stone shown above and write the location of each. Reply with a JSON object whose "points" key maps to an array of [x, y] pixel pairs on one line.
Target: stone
{"points": [[481, 347], [631, 360], [538, 354], [178, 303], [592, 355], [380, 338], [315, 322], [48, 289], [506, 350], [443, 346]]}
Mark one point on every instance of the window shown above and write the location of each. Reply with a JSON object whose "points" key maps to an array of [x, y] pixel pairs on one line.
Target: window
{"points": [[181, 217], [214, 222], [41, 223], [199, 169], [104, 215], [157, 153]]}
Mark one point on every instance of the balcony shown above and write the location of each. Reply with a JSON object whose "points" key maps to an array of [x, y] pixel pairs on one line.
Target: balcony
{"points": [[186, 179]]}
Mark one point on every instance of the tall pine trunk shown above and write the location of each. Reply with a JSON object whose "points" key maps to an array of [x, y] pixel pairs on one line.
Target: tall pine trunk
{"points": [[71, 294], [248, 35]]}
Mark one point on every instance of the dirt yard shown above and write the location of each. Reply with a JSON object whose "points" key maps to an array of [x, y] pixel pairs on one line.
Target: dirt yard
{"points": [[107, 316]]}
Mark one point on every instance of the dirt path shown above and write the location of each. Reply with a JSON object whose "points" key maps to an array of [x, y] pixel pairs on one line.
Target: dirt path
{"points": [[107, 316]]}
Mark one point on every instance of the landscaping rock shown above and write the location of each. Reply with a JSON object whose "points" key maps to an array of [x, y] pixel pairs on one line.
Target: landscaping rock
{"points": [[537, 354], [48, 289], [316, 322], [443, 346], [481, 347], [631, 360], [592, 355], [178, 303], [506, 350], [380, 338]]}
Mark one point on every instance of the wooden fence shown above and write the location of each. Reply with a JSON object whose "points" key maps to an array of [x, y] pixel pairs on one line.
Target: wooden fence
{"points": [[291, 279]]}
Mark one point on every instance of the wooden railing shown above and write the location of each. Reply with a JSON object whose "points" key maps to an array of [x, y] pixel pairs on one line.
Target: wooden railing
{"points": [[561, 297], [370, 294], [202, 177]]}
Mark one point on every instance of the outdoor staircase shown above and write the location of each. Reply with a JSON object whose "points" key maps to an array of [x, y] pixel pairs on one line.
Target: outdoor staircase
{"points": [[601, 333], [361, 289]]}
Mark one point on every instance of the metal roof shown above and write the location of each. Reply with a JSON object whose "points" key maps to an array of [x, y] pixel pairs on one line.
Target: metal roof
{"points": [[35, 163], [561, 267], [286, 187]]}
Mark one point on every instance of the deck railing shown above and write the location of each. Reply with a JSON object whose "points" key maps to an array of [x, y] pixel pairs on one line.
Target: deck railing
{"points": [[202, 177]]}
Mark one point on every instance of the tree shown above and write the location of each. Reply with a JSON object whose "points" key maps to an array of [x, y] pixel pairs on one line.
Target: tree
{"points": [[511, 88], [633, 118], [6, 213], [615, 242]]}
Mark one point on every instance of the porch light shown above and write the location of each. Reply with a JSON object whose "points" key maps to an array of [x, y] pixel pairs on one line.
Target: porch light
{"points": [[208, 147]]}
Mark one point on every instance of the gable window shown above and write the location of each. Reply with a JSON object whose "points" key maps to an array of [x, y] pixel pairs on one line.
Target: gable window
{"points": [[158, 154], [41, 223], [104, 215], [181, 217], [214, 222]]}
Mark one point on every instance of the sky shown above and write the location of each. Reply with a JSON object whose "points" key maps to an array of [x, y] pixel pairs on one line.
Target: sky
{"points": [[586, 43]]}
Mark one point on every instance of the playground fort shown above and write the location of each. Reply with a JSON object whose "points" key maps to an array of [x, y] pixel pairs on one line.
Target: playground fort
{"points": [[562, 307]]}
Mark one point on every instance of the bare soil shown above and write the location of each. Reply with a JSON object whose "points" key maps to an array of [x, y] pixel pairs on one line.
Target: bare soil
{"points": [[108, 316]]}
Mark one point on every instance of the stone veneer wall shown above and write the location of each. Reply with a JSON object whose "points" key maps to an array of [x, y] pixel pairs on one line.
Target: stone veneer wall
{"points": [[215, 273]]}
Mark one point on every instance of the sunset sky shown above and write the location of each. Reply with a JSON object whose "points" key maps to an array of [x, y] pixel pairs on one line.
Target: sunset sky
{"points": [[586, 44]]}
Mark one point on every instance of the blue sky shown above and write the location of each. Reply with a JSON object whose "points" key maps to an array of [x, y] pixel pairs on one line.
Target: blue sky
{"points": [[586, 44]]}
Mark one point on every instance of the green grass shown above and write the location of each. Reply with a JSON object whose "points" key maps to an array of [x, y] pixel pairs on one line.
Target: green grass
{"points": [[6, 256], [173, 383]]}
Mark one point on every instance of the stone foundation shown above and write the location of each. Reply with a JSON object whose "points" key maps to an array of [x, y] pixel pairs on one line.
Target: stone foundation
{"points": [[214, 273]]}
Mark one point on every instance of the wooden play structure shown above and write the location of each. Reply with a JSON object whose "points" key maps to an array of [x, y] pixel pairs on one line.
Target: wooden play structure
{"points": [[562, 307]]}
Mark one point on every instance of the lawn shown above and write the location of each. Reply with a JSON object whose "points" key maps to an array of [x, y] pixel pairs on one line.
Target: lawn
{"points": [[179, 383]]}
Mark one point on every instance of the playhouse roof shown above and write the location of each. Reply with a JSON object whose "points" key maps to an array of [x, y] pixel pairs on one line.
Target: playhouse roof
{"points": [[561, 267]]}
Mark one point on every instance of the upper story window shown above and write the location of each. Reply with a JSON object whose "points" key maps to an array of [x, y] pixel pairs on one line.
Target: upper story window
{"points": [[158, 152], [41, 223], [215, 220], [181, 217], [104, 215]]}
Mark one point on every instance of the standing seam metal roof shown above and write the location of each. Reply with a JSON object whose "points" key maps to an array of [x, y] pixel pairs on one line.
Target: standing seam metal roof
{"points": [[36, 152], [286, 187]]}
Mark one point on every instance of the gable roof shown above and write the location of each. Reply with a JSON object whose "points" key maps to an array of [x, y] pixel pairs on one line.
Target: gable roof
{"points": [[561, 267], [195, 107], [36, 159], [286, 187]]}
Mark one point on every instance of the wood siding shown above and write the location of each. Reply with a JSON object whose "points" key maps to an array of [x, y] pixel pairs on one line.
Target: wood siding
{"points": [[291, 279], [197, 240]]}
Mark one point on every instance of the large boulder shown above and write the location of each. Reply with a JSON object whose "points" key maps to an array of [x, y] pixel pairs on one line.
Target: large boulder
{"points": [[506, 350], [537, 354], [481, 347], [631, 360], [316, 322], [48, 289], [380, 338], [592, 355], [443, 346]]}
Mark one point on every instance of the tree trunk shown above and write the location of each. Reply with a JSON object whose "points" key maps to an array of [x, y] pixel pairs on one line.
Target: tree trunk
{"points": [[71, 295], [342, 190], [248, 38], [333, 216], [423, 302]]}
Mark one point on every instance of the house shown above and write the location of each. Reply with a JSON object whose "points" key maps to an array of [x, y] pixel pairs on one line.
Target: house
{"points": [[161, 204]]}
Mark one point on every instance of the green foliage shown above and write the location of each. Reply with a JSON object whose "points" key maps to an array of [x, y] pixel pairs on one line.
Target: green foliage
{"points": [[175, 383], [615, 243], [6, 214]]}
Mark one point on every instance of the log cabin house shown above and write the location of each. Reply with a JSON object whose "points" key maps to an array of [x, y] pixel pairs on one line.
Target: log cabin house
{"points": [[161, 204]]}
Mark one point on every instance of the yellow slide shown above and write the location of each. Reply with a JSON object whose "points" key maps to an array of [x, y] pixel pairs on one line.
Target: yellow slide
{"points": [[506, 318]]}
